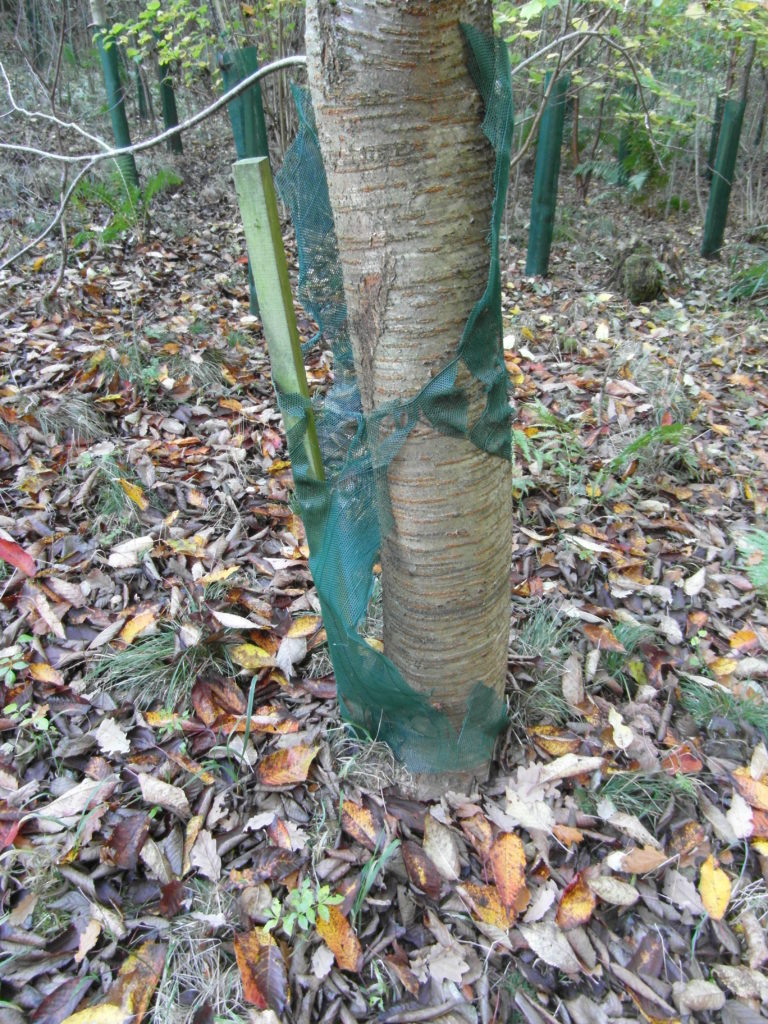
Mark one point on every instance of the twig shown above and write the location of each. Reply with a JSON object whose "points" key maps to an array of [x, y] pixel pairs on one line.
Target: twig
{"points": [[108, 152], [413, 1016]]}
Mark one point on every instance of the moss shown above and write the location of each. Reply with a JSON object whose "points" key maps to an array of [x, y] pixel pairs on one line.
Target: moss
{"points": [[641, 278]]}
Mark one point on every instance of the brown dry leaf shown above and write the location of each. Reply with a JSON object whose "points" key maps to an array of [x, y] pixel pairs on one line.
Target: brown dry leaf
{"points": [[135, 984], [262, 969], [286, 767], [487, 905], [339, 936], [123, 845], [715, 888], [507, 858], [573, 681], [576, 904], [547, 941], [66, 810], [613, 890], [642, 860], [441, 847], [205, 856], [135, 626], [421, 871], [357, 822], [604, 638], [754, 791], [170, 798], [698, 996]]}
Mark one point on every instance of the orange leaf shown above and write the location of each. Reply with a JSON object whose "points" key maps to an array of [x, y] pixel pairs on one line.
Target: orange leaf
{"points": [[744, 640], [576, 904], [286, 767], [487, 906], [262, 970], [604, 638], [567, 835], [16, 556], [682, 762], [339, 936], [358, 822], [753, 791], [507, 859], [137, 625]]}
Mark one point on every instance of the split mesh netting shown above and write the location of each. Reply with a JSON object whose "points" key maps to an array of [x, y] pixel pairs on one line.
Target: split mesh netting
{"points": [[345, 514]]}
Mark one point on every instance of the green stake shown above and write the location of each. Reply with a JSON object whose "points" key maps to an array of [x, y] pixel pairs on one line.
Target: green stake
{"points": [[109, 66], [544, 201], [722, 177], [258, 208]]}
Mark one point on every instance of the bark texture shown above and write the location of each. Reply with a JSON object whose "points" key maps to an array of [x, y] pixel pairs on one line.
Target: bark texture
{"points": [[410, 181]]}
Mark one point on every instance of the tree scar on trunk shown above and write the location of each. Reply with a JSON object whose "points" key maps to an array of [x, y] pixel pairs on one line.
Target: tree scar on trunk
{"points": [[368, 321]]}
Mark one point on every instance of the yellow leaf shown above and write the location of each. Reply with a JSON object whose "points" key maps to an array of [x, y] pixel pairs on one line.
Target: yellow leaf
{"points": [[305, 625], [218, 575], [723, 666], [252, 657], [134, 492], [576, 905], [527, 333], [507, 859], [38, 264], [137, 625], [104, 1013], [45, 673], [715, 888]]}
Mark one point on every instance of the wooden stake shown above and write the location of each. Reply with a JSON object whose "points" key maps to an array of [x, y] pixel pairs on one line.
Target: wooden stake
{"points": [[258, 208]]}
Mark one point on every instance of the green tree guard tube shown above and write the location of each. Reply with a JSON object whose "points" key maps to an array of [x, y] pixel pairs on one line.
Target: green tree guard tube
{"points": [[125, 163], [722, 177], [141, 95], [246, 115], [716, 125], [544, 200], [170, 113]]}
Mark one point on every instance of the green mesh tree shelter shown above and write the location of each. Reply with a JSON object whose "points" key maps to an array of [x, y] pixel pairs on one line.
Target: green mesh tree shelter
{"points": [[170, 113], [714, 137], [722, 177], [141, 96], [109, 65], [629, 92], [544, 202], [346, 514], [246, 115]]}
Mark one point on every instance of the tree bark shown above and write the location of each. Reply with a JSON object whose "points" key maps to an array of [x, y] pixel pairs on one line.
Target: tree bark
{"points": [[410, 180]]}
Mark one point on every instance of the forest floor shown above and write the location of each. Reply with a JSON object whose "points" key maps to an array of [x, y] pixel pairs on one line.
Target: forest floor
{"points": [[174, 774]]}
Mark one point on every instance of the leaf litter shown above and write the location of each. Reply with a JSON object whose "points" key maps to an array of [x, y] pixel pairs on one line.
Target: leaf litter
{"points": [[172, 760]]}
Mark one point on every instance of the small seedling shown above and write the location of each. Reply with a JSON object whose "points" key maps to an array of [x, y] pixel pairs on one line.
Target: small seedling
{"points": [[12, 660], [301, 908]]}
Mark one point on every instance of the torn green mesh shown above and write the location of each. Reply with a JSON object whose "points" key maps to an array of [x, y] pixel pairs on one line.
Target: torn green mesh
{"points": [[343, 514]]}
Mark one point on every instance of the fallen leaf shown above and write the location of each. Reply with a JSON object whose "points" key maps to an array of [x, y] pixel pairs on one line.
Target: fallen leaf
{"points": [[642, 860], [286, 767], [622, 734], [137, 625], [104, 1013], [262, 968], [715, 888], [138, 977], [15, 555], [576, 904], [170, 798], [357, 822], [507, 859], [695, 584], [573, 680], [205, 856], [613, 890], [67, 809], [88, 939], [753, 791], [135, 493], [339, 936], [124, 843], [111, 738], [698, 996], [441, 847], [486, 904], [604, 638], [547, 941], [251, 657], [421, 871]]}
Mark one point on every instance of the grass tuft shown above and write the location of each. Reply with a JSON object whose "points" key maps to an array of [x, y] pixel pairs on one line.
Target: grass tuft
{"points": [[705, 703]]}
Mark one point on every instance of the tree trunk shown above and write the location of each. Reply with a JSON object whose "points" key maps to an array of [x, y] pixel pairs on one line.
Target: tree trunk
{"points": [[410, 177]]}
